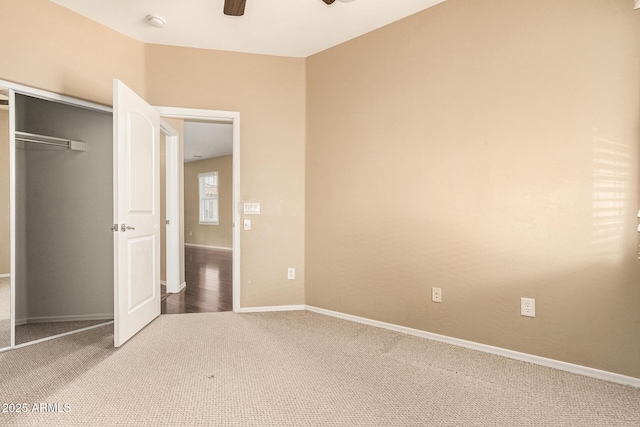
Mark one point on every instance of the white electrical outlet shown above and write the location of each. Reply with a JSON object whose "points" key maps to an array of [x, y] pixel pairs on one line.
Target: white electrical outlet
{"points": [[528, 307], [436, 294], [291, 273]]}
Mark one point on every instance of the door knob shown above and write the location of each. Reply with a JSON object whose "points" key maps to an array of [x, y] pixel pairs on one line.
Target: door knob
{"points": [[124, 228]]}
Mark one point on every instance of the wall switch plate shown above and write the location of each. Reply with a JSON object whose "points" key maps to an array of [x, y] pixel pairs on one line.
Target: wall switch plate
{"points": [[436, 294], [291, 273], [251, 208], [528, 307], [247, 224]]}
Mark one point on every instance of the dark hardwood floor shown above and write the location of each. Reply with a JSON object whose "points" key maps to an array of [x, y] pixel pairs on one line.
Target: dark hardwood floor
{"points": [[208, 273]]}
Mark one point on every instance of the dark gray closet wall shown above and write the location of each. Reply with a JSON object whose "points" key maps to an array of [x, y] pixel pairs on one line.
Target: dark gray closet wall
{"points": [[67, 212]]}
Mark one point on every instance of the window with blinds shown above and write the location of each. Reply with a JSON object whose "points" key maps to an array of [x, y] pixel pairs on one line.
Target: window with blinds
{"points": [[208, 183]]}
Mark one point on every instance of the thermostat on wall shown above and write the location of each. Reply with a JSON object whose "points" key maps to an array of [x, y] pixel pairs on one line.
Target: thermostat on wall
{"points": [[252, 208]]}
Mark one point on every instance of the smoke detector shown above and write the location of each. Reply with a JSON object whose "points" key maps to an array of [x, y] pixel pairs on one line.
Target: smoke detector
{"points": [[155, 21]]}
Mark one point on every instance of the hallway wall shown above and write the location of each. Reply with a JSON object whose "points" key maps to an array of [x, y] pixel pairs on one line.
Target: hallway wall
{"points": [[220, 235]]}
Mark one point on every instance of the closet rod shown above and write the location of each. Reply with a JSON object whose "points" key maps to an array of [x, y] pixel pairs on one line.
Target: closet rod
{"points": [[51, 140]]}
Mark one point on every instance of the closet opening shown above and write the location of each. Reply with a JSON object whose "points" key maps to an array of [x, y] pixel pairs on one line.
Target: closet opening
{"points": [[63, 204]]}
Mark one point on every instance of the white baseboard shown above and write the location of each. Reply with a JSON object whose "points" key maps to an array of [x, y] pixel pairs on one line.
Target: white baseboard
{"points": [[21, 321], [182, 286], [74, 318], [224, 248], [537, 360], [271, 308]]}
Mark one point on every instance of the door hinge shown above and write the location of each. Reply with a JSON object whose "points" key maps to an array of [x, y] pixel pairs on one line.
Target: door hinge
{"points": [[167, 222]]}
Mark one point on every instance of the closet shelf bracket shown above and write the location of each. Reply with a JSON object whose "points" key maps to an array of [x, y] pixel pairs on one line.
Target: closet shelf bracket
{"points": [[51, 140]]}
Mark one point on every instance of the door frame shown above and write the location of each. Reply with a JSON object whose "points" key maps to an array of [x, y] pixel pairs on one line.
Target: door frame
{"points": [[174, 271], [175, 158]]}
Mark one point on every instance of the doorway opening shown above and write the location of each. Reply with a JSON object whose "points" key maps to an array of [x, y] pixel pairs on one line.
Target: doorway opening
{"points": [[202, 181]]}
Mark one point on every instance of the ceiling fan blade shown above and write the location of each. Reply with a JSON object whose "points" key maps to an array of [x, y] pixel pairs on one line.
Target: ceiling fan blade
{"points": [[234, 7], [328, 1]]}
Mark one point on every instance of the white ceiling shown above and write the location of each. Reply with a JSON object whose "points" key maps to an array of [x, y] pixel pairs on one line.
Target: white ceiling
{"points": [[206, 140], [296, 28]]}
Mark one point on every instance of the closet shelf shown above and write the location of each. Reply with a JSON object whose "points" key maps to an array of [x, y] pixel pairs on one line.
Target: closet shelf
{"points": [[51, 140]]}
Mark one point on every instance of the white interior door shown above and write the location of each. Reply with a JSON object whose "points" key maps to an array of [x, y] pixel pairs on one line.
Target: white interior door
{"points": [[136, 176]]}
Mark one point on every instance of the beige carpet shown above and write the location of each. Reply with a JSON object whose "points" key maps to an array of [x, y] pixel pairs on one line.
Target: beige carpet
{"points": [[293, 369]]}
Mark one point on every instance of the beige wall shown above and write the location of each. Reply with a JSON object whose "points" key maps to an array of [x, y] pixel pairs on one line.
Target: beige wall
{"points": [[49, 47], [489, 148], [220, 235], [269, 93], [5, 243]]}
